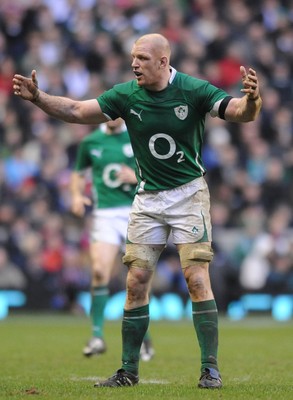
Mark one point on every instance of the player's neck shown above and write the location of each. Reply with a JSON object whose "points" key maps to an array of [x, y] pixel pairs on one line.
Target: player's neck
{"points": [[161, 84]]}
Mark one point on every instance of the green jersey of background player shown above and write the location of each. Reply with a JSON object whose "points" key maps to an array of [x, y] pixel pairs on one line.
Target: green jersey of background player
{"points": [[108, 154], [107, 151], [165, 112]]}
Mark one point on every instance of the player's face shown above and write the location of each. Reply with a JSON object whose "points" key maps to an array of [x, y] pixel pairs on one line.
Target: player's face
{"points": [[146, 65]]}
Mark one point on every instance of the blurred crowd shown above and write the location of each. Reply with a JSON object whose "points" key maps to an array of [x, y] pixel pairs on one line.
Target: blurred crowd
{"points": [[81, 48]]}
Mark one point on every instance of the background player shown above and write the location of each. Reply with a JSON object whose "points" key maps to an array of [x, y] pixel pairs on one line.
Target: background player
{"points": [[108, 154]]}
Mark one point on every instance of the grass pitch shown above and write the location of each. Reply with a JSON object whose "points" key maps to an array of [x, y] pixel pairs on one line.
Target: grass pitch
{"points": [[41, 356]]}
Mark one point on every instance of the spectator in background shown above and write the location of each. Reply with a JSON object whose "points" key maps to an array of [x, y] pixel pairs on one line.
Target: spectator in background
{"points": [[6, 73], [18, 169], [268, 263], [275, 182], [11, 277], [75, 278]]}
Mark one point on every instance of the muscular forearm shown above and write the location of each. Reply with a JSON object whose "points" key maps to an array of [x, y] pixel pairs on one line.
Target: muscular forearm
{"points": [[58, 107], [68, 110], [243, 109], [62, 108]]}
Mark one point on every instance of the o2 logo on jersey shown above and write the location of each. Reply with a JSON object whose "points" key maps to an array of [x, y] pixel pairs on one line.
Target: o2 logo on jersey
{"points": [[169, 146], [110, 175]]}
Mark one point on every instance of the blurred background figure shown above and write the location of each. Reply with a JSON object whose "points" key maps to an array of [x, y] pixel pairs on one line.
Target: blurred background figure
{"points": [[268, 264], [107, 154], [11, 277]]}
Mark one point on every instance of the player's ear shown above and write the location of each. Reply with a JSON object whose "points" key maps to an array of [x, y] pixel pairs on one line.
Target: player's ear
{"points": [[163, 62]]}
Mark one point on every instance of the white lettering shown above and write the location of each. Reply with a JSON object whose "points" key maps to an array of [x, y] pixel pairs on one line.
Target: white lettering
{"points": [[109, 175], [169, 139]]}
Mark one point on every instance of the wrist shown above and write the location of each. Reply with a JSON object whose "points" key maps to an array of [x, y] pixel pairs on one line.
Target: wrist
{"points": [[36, 97], [253, 98]]}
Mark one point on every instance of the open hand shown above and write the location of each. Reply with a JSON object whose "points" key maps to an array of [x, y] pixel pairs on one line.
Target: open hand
{"points": [[26, 88], [250, 83]]}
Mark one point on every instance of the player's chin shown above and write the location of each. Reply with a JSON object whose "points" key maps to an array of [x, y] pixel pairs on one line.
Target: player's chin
{"points": [[140, 81]]}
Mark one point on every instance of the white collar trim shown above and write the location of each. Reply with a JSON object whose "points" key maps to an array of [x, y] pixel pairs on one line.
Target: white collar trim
{"points": [[173, 73]]}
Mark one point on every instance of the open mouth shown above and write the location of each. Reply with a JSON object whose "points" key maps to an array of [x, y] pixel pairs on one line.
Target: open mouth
{"points": [[137, 74]]}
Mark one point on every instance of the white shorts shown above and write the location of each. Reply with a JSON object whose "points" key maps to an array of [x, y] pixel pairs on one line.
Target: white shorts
{"points": [[184, 211], [109, 225]]}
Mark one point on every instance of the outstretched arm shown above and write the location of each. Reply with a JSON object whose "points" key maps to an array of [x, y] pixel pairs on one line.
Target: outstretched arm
{"points": [[246, 108], [63, 108]]}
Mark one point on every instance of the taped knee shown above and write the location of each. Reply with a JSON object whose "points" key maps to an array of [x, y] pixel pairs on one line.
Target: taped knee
{"points": [[195, 254], [142, 256]]}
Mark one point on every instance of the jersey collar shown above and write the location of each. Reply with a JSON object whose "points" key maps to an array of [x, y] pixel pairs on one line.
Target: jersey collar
{"points": [[173, 73]]}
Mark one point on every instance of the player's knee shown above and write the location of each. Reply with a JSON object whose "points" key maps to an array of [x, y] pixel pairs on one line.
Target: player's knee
{"points": [[137, 284], [97, 276], [195, 254], [142, 256]]}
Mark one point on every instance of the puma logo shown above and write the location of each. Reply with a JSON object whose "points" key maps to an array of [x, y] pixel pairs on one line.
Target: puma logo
{"points": [[97, 153], [137, 114]]}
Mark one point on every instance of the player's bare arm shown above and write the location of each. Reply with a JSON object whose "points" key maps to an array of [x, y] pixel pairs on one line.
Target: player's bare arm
{"points": [[63, 108], [78, 200], [246, 108]]}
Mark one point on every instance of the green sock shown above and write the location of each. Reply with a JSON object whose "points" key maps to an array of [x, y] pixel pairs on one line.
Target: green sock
{"points": [[134, 327], [100, 297], [205, 321]]}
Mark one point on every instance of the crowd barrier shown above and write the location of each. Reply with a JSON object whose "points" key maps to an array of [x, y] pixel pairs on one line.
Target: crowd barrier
{"points": [[170, 306]]}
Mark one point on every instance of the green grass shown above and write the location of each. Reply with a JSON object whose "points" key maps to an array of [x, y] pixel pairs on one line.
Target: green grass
{"points": [[40, 356]]}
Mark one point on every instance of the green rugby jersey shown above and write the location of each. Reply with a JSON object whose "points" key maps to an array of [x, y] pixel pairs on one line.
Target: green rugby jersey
{"points": [[104, 154], [166, 128]]}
